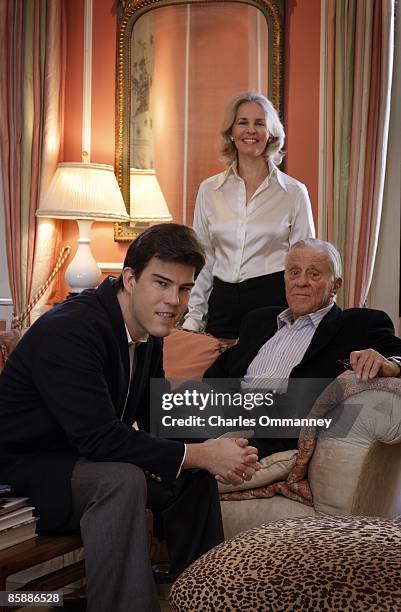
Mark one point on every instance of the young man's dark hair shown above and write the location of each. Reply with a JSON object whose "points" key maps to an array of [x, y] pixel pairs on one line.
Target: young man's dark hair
{"points": [[168, 242]]}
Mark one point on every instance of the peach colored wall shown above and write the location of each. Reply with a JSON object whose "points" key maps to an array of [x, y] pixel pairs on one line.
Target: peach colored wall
{"points": [[103, 82], [302, 57], [301, 93], [169, 65], [72, 141]]}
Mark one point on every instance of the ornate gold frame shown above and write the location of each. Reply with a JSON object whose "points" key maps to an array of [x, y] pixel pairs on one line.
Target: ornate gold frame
{"points": [[128, 12]]}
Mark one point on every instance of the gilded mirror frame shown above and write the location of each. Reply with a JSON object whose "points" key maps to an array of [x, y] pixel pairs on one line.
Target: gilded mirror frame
{"points": [[128, 13]]}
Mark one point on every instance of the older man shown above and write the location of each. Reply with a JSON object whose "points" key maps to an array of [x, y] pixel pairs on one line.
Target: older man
{"points": [[313, 338]]}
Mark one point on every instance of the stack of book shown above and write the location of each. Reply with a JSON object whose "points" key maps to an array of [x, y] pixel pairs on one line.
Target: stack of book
{"points": [[17, 522]]}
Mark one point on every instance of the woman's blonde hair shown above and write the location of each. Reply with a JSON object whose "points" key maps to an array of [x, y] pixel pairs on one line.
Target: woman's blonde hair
{"points": [[275, 144]]}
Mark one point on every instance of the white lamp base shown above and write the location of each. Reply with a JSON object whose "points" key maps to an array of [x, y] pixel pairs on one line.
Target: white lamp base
{"points": [[83, 272]]}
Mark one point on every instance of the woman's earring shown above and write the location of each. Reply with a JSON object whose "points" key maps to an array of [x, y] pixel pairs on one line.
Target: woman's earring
{"points": [[231, 138]]}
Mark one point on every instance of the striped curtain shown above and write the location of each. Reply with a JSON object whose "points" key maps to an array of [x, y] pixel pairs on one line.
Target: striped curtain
{"points": [[360, 37], [32, 67]]}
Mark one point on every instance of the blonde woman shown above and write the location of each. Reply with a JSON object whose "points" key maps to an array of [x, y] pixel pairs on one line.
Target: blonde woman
{"points": [[246, 217]]}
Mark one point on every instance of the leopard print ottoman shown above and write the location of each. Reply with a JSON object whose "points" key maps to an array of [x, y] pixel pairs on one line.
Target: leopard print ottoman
{"points": [[312, 563]]}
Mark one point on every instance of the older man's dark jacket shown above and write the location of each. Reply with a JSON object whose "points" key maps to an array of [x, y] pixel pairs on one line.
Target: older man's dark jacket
{"points": [[63, 395], [339, 333]]}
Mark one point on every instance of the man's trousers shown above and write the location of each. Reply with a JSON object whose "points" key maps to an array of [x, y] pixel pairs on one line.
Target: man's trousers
{"points": [[109, 507]]}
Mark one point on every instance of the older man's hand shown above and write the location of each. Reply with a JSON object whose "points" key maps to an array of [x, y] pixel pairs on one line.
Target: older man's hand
{"points": [[369, 364]]}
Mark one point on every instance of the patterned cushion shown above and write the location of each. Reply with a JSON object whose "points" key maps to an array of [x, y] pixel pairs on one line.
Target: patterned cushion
{"points": [[304, 564]]}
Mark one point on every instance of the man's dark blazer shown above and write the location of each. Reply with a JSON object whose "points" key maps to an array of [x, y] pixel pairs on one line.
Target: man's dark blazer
{"points": [[339, 333], [62, 395]]}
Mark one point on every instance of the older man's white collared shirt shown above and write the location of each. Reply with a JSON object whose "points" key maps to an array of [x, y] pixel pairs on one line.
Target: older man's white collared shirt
{"points": [[246, 240], [282, 352]]}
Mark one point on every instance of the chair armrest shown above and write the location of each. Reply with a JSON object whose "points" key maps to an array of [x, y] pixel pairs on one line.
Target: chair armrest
{"points": [[350, 463]]}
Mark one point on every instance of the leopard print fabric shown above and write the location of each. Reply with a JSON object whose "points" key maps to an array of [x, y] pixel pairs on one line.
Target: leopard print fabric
{"points": [[313, 563]]}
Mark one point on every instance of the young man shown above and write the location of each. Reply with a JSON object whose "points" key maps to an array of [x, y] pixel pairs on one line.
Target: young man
{"points": [[69, 394]]}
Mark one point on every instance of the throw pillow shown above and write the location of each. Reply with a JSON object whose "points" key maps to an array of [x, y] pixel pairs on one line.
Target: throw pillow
{"points": [[188, 354]]}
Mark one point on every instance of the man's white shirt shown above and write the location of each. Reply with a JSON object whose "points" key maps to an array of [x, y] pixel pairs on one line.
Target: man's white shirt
{"points": [[282, 352]]}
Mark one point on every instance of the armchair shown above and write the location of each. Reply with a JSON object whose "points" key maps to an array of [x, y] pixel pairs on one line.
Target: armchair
{"points": [[354, 472], [357, 473]]}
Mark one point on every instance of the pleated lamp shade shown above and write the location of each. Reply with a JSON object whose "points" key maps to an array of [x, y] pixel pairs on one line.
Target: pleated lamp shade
{"points": [[83, 191], [147, 202]]}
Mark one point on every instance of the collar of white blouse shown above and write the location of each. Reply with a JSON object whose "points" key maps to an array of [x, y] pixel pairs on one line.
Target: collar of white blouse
{"points": [[273, 172]]}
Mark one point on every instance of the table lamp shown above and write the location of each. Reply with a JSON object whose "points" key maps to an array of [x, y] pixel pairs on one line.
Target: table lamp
{"points": [[85, 192], [147, 202]]}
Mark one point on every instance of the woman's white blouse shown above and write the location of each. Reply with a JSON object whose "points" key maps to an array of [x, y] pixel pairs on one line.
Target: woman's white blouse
{"points": [[245, 240]]}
